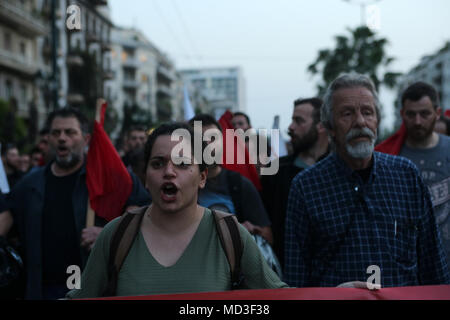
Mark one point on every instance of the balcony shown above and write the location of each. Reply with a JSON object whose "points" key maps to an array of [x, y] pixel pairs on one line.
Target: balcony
{"points": [[47, 50], [18, 63], [21, 19], [106, 47], [164, 111], [91, 37], [74, 60], [99, 2], [130, 63], [75, 98], [164, 90], [132, 84], [165, 73], [108, 74]]}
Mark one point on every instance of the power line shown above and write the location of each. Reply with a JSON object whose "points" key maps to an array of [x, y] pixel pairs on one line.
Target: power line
{"points": [[163, 18], [186, 30]]}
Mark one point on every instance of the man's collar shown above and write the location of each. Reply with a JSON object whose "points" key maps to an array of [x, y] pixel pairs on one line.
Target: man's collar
{"points": [[48, 167], [345, 168]]}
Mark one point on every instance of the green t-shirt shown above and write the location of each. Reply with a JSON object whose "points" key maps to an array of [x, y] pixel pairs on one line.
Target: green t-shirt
{"points": [[203, 266]]}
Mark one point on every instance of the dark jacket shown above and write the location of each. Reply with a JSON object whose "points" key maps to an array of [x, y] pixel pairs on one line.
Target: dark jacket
{"points": [[275, 192], [27, 201]]}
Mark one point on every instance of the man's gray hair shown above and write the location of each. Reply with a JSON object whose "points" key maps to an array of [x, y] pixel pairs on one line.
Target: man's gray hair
{"points": [[346, 81]]}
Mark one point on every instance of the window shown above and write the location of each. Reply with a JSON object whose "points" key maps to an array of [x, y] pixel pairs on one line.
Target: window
{"points": [[7, 43], [23, 94], [9, 89], [23, 48]]}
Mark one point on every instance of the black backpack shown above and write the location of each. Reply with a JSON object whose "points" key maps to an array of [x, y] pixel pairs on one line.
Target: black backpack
{"points": [[11, 267], [234, 180], [128, 228]]}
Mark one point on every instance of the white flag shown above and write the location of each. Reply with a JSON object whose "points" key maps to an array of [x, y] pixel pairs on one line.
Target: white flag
{"points": [[4, 185], [188, 111], [277, 143]]}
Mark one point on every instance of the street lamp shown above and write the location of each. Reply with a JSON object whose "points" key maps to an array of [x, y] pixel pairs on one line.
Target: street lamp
{"points": [[362, 4]]}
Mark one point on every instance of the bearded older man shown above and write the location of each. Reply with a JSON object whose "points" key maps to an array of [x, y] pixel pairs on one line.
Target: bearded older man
{"points": [[358, 210]]}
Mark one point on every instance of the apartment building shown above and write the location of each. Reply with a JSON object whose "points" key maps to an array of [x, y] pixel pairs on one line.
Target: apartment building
{"points": [[222, 89]]}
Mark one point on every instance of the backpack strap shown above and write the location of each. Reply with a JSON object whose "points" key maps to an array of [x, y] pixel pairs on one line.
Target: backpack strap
{"points": [[230, 238], [234, 180], [121, 241]]}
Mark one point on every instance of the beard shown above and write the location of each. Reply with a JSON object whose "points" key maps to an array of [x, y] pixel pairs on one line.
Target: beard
{"points": [[362, 149], [68, 162], [301, 144], [420, 133]]}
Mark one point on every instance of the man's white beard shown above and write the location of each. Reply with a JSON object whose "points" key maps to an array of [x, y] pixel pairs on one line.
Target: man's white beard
{"points": [[361, 150]]}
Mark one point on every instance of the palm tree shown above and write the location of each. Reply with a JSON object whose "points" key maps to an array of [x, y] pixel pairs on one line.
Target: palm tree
{"points": [[362, 52]]}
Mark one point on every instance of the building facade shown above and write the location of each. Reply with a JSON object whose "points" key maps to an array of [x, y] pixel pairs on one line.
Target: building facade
{"points": [[143, 77], [21, 29], [433, 69], [44, 61], [222, 89], [83, 56], [57, 53]]}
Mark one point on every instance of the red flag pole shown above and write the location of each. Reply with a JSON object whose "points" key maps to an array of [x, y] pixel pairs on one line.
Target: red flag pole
{"points": [[90, 216]]}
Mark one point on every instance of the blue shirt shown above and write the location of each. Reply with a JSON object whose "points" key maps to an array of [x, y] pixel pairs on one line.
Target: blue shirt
{"points": [[337, 226]]}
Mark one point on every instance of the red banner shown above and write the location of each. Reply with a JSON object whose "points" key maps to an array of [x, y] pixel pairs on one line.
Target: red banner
{"points": [[441, 292]]}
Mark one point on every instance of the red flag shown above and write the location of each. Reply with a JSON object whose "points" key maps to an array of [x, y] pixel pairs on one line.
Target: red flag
{"points": [[247, 169], [447, 113], [394, 143], [429, 292], [108, 181]]}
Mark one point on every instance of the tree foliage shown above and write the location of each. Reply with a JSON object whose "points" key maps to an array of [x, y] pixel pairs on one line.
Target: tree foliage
{"points": [[133, 115], [361, 52], [13, 129]]}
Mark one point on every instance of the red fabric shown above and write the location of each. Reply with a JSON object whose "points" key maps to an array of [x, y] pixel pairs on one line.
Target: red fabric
{"points": [[42, 162], [247, 169], [447, 113], [439, 292], [394, 143], [107, 179]]}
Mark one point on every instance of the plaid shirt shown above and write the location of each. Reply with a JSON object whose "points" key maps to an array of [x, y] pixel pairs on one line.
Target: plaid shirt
{"points": [[337, 226]]}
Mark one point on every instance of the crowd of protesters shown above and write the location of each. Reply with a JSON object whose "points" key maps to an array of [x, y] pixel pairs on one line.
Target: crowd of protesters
{"points": [[337, 205]]}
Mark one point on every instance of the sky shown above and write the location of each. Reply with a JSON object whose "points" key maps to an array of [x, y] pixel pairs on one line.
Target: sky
{"points": [[274, 41]]}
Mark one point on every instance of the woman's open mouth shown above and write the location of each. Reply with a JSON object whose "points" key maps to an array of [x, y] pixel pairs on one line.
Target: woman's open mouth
{"points": [[169, 192]]}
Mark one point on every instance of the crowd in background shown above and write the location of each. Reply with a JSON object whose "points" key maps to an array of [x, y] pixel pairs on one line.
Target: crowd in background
{"points": [[303, 212]]}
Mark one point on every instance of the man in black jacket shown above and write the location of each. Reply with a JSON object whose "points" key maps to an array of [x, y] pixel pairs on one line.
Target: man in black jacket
{"points": [[310, 143]]}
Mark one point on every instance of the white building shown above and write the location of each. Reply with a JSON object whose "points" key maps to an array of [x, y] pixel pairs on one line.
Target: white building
{"points": [[21, 27], [83, 56], [223, 88], [143, 76], [433, 69]]}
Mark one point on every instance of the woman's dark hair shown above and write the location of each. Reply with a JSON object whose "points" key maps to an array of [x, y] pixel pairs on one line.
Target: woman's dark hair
{"points": [[206, 119], [168, 129]]}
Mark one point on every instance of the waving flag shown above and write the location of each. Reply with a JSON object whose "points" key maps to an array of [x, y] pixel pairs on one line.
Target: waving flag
{"points": [[108, 181], [277, 145], [188, 110], [394, 143], [247, 169], [4, 186]]}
